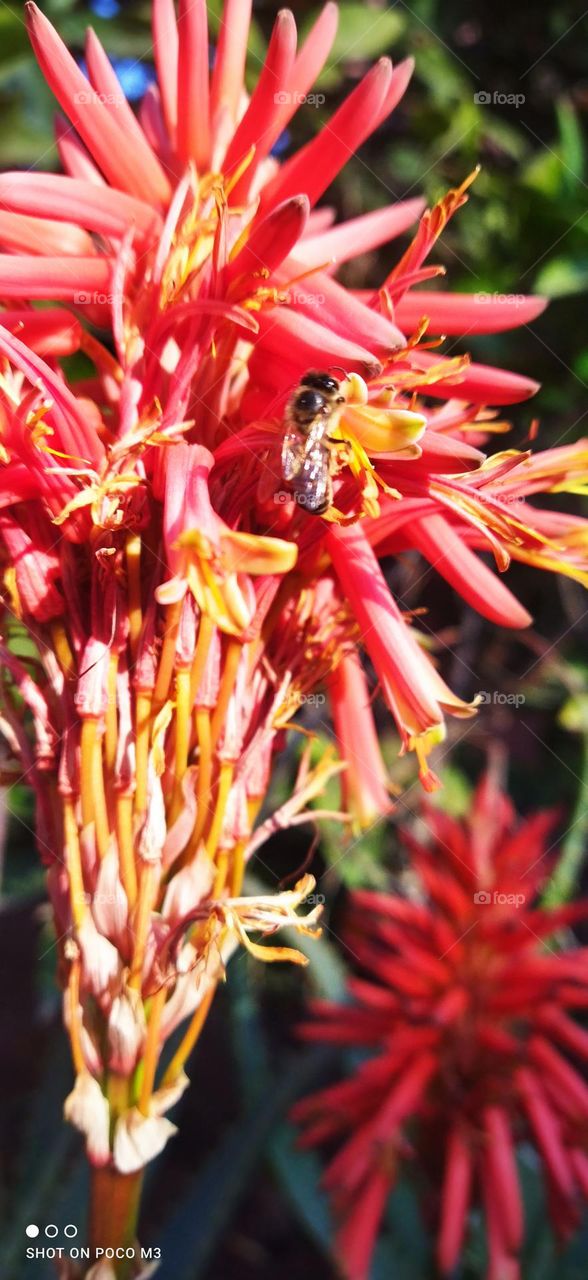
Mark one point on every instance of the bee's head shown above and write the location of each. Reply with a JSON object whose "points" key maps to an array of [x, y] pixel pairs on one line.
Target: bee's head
{"points": [[306, 406], [324, 382]]}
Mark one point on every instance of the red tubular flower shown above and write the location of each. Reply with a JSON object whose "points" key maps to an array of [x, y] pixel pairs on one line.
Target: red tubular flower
{"points": [[468, 1020], [214, 272], [364, 784], [197, 167]]}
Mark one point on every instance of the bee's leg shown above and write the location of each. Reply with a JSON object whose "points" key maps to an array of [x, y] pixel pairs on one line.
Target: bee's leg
{"points": [[338, 456]]}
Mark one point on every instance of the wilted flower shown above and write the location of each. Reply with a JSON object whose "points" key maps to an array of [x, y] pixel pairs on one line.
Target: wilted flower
{"points": [[466, 1014]]}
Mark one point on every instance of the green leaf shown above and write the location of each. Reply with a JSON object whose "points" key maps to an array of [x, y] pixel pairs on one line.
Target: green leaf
{"points": [[574, 714], [299, 1174], [455, 795], [363, 33], [13, 36], [48, 1189], [571, 141], [562, 276], [544, 173], [195, 1228]]}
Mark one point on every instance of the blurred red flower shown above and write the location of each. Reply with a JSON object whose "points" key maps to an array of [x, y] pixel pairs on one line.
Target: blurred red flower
{"points": [[467, 1009]]}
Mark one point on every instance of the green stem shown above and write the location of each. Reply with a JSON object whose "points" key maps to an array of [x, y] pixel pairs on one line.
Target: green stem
{"points": [[564, 881]]}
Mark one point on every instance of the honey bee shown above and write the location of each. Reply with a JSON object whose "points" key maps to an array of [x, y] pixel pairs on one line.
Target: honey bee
{"points": [[308, 460]]}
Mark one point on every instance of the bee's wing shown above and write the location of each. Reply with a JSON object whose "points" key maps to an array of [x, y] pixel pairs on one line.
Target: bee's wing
{"points": [[314, 487], [293, 447]]}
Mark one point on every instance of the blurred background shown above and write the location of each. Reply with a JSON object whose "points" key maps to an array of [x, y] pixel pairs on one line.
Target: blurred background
{"points": [[506, 86]]}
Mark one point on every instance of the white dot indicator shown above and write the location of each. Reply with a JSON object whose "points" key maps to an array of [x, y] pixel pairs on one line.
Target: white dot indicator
{"points": [[32, 1230]]}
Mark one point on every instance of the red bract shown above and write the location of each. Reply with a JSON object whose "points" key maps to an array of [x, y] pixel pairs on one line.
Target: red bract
{"points": [[468, 1017]]}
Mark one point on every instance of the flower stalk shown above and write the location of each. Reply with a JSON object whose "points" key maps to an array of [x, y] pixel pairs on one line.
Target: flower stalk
{"points": [[113, 1215]]}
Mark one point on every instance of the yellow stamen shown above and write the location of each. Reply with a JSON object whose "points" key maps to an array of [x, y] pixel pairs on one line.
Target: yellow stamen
{"points": [[204, 779], [183, 728], [11, 590], [205, 634], [428, 779], [126, 856], [73, 859], [224, 786], [87, 745], [111, 733], [151, 1054], [100, 810], [237, 173], [183, 1052], [233, 654], [253, 807], [74, 1017], [221, 873], [237, 869], [168, 652], [148, 885], [63, 650], [133, 554], [142, 724]]}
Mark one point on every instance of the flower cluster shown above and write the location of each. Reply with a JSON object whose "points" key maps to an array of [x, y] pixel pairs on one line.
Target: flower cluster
{"points": [[181, 603], [466, 1013]]}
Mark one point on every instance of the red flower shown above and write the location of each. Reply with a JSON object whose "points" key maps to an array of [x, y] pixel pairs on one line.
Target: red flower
{"points": [[467, 1012], [186, 205], [213, 270]]}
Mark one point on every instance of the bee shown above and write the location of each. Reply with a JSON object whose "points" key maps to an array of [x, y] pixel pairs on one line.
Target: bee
{"points": [[307, 456]]}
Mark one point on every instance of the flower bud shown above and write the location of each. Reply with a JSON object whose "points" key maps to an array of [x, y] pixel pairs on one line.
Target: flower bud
{"points": [[126, 1031], [91, 696]]}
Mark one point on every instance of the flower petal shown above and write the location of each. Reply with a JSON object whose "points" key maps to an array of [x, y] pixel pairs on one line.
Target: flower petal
{"points": [[115, 154], [478, 383], [193, 126], [452, 313], [447, 552], [360, 235], [99, 209]]}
